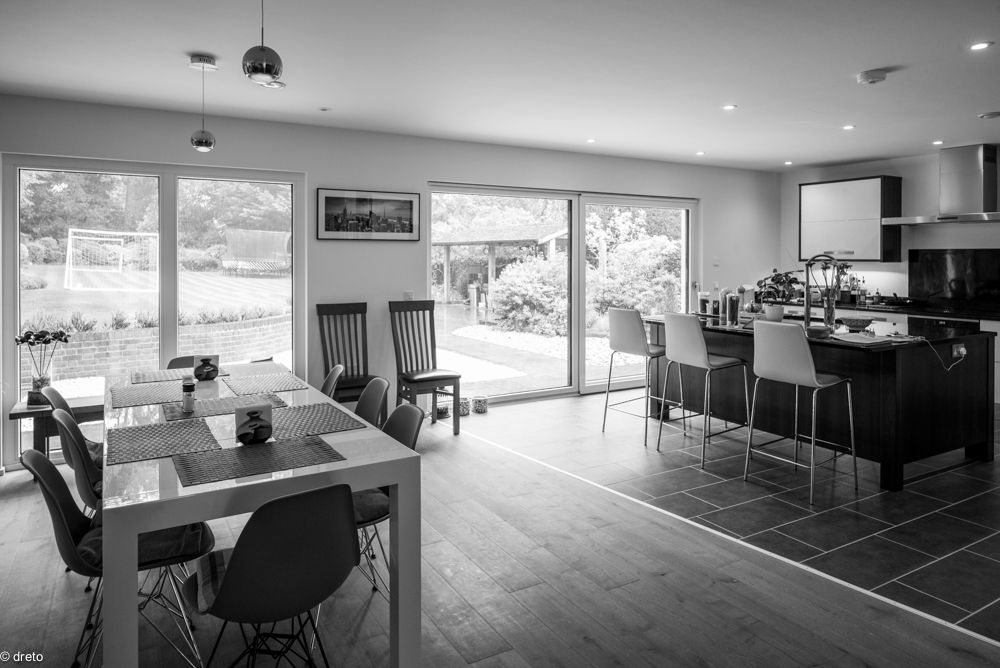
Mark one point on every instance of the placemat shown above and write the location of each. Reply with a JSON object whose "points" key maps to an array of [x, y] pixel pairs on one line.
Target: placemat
{"points": [[199, 468], [219, 406], [151, 441], [124, 396], [157, 375], [269, 382], [312, 419]]}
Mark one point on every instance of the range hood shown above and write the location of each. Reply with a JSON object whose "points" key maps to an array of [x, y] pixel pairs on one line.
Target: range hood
{"points": [[968, 187]]}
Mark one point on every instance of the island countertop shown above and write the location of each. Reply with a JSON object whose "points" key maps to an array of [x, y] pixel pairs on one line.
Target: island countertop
{"points": [[912, 398]]}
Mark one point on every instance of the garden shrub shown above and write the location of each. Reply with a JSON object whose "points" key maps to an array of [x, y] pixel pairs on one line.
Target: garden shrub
{"points": [[45, 251], [146, 320], [33, 282], [530, 296], [198, 259], [80, 323], [640, 274], [118, 321]]}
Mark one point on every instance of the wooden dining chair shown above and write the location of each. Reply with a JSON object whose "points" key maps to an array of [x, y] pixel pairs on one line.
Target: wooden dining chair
{"points": [[343, 334], [415, 345]]}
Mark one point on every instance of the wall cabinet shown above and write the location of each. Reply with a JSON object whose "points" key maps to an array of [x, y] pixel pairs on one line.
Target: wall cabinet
{"points": [[844, 219]]}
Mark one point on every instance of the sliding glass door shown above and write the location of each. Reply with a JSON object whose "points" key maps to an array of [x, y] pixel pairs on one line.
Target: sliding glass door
{"points": [[636, 256]]}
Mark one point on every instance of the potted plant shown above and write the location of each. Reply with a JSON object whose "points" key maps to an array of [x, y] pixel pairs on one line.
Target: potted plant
{"points": [[776, 289], [41, 358]]}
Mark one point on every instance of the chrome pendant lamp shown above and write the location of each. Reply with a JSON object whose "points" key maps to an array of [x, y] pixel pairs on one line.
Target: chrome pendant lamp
{"points": [[262, 64], [202, 140]]}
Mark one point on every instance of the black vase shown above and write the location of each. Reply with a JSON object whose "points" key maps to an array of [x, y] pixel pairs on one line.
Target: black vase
{"points": [[254, 429], [206, 370]]}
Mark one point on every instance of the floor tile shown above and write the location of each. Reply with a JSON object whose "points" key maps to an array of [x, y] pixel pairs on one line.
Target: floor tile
{"points": [[964, 579], [920, 601], [869, 563], [985, 622], [826, 494], [682, 504], [756, 516], [983, 509], [950, 487], [779, 543], [659, 462], [897, 507], [989, 471], [833, 528], [988, 548], [937, 534], [732, 467], [680, 480], [731, 492]]}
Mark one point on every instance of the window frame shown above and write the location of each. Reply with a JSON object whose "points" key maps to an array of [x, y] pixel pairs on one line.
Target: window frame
{"points": [[168, 175]]}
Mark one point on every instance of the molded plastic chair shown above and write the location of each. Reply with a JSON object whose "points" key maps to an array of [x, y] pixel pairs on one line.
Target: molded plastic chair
{"points": [[80, 541], [684, 340], [343, 333], [331, 381], [627, 334], [782, 354], [415, 344], [94, 448], [371, 506], [89, 483], [371, 404], [294, 552]]}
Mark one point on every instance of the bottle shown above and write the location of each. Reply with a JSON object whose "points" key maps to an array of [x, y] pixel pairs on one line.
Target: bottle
{"points": [[187, 394], [863, 294]]}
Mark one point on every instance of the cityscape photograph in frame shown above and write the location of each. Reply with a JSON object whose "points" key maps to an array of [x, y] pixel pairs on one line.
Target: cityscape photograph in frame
{"points": [[370, 215]]}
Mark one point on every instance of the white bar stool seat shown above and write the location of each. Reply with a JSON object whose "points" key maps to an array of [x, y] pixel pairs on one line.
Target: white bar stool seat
{"points": [[627, 334], [685, 345], [782, 354]]}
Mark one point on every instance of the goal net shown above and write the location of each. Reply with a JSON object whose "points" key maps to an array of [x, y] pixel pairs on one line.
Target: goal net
{"points": [[109, 260]]}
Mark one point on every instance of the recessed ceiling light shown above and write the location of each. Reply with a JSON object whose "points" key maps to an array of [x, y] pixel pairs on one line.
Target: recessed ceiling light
{"points": [[728, 107], [788, 162], [937, 142], [699, 153], [979, 46], [591, 140], [324, 108], [848, 127]]}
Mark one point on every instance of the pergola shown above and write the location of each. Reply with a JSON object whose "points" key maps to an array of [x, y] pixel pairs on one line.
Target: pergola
{"points": [[514, 235]]}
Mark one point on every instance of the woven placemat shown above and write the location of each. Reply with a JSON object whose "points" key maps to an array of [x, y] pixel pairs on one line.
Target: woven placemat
{"points": [[199, 468], [151, 441], [124, 396], [269, 382], [220, 406], [312, 419], [158, 375]]}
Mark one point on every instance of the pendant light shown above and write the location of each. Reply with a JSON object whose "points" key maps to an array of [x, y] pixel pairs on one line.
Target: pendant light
{"points": [[262, 64], [203, 140]]}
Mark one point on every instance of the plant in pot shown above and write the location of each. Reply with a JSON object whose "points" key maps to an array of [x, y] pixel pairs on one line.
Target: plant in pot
{"points": [[42, 347], [776, 289]]}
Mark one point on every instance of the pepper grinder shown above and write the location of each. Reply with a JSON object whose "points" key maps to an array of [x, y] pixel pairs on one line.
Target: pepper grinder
{"points": [[187, 394]]}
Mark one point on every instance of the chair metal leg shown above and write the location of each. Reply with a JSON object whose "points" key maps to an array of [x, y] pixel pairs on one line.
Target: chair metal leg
{"points": [[746, 396], [607, 391], [706, 414], [456, 416], [795, 430], [663, 403], [645, 418], [812, 448], [753, 410], [850, 422]]}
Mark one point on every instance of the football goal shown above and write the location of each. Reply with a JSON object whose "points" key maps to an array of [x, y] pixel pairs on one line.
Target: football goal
{"points": [[110, 260]]}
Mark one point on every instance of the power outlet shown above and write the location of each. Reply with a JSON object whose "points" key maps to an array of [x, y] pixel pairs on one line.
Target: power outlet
{"points": [[958, 351]]}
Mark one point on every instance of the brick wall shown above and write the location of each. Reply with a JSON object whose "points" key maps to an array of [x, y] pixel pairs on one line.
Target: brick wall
{"points": [[90, 354]]}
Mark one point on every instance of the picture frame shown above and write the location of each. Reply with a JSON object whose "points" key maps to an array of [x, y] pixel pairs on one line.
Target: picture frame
{"points": [[367, 215]]}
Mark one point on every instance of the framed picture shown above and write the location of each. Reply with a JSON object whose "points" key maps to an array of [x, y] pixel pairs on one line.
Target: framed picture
{"points": [[369, 215]]}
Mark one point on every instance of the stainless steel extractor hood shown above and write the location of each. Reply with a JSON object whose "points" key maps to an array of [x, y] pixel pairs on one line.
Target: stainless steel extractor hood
{"points": [[968, 187]]}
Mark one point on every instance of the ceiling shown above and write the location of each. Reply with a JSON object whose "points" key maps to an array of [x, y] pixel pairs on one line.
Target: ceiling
{"points": [[644, 78]]}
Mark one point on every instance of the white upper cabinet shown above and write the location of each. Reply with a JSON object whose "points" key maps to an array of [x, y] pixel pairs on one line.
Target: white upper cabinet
{"points": [[844, 219]]}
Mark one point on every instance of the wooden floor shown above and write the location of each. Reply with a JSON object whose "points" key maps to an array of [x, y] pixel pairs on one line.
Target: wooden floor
{"points": [[526, 566]]}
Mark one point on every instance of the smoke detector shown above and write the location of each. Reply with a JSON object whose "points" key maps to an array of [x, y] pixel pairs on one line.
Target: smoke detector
{"points": [[871, 76]]}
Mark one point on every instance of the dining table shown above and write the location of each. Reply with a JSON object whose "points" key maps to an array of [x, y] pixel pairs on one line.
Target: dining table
{"points": [[144, 494]]}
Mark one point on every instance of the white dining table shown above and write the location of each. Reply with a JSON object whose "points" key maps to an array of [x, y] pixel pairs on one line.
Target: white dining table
{"points": [[147, 495]]}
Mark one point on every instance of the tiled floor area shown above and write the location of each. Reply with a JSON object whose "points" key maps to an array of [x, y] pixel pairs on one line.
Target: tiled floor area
{"points": [[934, 546]]}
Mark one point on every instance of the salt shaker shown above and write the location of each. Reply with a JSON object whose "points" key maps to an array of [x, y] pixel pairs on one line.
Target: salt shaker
{"points": [[187, 396]]}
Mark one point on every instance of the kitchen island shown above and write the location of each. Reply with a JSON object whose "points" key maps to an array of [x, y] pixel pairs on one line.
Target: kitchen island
{"points": [[907, 406]]}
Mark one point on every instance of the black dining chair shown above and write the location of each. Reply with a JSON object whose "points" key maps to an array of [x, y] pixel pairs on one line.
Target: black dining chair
{"points": [[343, 334], [294, 552], [95, 449], [89, 479], [329, 387], [371, 404], [79, 540], [415, 345]]}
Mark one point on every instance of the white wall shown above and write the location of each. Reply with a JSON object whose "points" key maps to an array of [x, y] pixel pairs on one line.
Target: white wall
{"points": [[920, 198], [739, 208]]}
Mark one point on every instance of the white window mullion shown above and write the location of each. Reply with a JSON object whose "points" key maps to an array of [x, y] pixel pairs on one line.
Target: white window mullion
{"points": [[168, 267]]}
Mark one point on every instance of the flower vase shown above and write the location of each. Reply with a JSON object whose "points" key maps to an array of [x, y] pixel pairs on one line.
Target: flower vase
{"points": [[35, 396]]}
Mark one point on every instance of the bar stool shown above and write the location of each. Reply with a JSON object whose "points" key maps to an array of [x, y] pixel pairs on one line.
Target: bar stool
{"points": [[782, 354], [627, 334], [685, 345]]}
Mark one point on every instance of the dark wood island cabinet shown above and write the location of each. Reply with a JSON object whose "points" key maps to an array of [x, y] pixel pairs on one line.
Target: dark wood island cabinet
{"points": [[907, 406]]}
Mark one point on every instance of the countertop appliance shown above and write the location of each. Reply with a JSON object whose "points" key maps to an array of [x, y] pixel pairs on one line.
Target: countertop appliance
{"points": [[968, 187]]}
